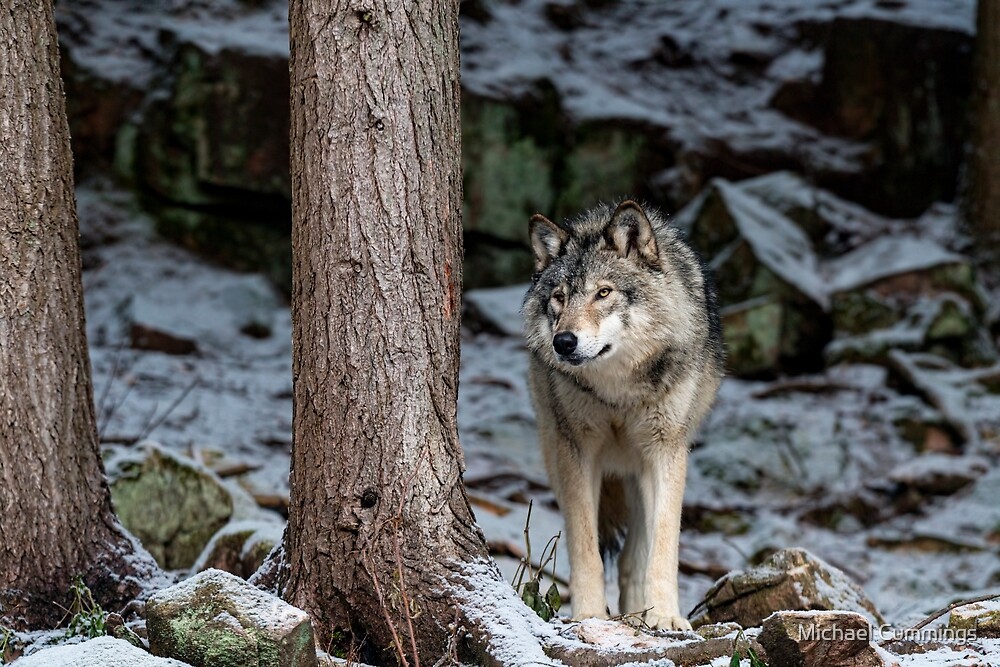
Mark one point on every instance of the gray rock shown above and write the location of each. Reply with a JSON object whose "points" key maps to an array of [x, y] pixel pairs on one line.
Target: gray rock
{"points": [[216, 619], [99, 652], [170, 503], [945, 324], [791, 579], [967, 399], [819, 639], [220, 133]]}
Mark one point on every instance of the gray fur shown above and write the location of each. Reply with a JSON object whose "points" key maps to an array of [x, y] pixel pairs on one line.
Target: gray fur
{"points": [[620, 410]]}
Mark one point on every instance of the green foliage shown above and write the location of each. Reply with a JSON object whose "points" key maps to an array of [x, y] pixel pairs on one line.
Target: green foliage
{"points": [[755, 660], [87, 619], [547, 605], [6, 634]]}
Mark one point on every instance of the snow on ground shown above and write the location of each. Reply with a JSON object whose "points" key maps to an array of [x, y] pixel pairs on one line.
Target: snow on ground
{"points": [[99, 652]]}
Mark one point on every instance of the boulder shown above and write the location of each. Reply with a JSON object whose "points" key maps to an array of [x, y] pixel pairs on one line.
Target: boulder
{"points": [[213, 145], [983, 617], [240, 547], [216, 619], [520, 156], [768, 277], [170, 503], [99, 652], [967, 399], [791, 579], [819, 639]]}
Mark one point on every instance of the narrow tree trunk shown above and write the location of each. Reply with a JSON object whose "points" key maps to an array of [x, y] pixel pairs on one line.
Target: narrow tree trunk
{"points": [[983, 195], [378, 512], [56, 520]]}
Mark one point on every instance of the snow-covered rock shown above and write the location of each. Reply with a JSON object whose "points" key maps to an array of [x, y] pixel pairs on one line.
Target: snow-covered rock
{"points": [[830, 222], [791, 579], [768, 277], [944, 324], [215, 619], [983, 617], [963, 396], [172, 504], [99, 652], [240, 547]]}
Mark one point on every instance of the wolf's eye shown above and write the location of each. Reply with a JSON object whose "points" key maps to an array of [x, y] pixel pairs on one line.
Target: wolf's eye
{"points": [[603, 292], [558, 297]]}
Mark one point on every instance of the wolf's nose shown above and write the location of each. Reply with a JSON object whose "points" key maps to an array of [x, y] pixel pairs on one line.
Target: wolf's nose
{"points": [[564, 342]]}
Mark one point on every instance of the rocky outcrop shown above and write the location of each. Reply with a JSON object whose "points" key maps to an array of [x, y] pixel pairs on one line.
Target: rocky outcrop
{"points": [[216, 619], [900, 87], [220, 134], [773, 297]]}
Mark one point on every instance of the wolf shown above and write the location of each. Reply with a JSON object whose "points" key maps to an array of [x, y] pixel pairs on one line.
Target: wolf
{"points": [[626, 358]]}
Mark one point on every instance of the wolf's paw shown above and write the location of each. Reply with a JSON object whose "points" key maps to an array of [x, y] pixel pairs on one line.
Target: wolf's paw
{"points": [[659, 621]]}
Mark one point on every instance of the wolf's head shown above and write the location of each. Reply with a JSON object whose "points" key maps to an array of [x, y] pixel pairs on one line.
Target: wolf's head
{"points": [[601, 285]]}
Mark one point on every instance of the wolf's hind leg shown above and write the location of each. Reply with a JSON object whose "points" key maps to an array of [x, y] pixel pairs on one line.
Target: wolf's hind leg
{"points": [[662, 488], [632, 561]]}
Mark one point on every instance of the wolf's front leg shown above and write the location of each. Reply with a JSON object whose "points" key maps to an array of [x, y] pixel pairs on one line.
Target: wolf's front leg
{"points": [[663, 494], [579, 495]]}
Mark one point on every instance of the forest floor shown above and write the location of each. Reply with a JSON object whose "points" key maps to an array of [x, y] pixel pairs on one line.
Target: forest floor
{"points": [[822, 462]]}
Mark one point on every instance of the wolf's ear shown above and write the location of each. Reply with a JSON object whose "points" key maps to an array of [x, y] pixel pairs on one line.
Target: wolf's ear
{"points": [[547, 240], [630, 232]]}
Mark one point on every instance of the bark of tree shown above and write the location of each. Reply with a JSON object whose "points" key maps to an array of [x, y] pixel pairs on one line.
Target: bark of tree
{"points": [[378, 518], [983, 194], [56, 520]]}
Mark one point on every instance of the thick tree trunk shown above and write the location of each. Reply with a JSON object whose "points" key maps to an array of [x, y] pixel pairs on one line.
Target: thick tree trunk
{"points": [[983, 195], [56, 520], [378, 514]]}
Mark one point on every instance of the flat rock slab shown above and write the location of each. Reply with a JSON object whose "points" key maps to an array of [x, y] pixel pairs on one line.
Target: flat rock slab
{"points": [[819, 639], [216, 619], [100, 652]]}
